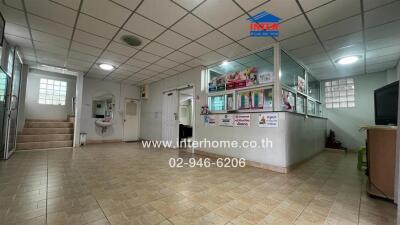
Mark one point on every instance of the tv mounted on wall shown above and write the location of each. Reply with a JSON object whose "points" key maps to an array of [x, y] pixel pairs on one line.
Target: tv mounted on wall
{"points": [[386, 104]]}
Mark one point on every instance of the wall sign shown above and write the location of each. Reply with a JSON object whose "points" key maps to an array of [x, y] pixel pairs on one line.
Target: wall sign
{"points": [[242, 120], [268, 120], [226, 120], [210, 120]]}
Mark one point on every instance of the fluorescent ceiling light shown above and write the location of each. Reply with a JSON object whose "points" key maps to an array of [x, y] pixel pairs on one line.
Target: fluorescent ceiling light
{"points": [[348, 60], [224, 63], [105, 66]]}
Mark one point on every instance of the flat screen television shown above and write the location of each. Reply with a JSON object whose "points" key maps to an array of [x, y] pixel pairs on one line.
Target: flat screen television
{"points": [[386, 104]]}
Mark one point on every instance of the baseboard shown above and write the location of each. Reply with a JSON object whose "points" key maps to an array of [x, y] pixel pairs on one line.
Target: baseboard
{"points": [[103, 141], [248, 162]]}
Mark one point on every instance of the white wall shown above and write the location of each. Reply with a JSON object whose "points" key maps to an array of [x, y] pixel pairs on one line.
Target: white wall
{"points": [[287, 149], [34, 110], [346, 122], [93, 88]]}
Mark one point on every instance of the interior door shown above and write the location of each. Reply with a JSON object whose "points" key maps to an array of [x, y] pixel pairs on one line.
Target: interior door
{"points": [[13, 107], [170, 117], [131, 120]]}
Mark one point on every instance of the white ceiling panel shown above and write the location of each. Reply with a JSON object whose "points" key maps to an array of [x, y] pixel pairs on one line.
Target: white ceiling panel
{"points": [[370, 4], [232, 50], [381, 59], [172, 39], [163, 12], [82, 57], [299, 41], [351, 50], [19, 41], [129, 68], [148, 73], [312, 4], [121, 49], [13, 15], [50, 39], [48, 26], [52, 11], [106, 10], [179, 57], [13, 3], [194, 63], [293, 27], [237, 29], [384, 51], [344, 41], [282, 9], [381, 66], [191, 27], [307, 51], [137, 63], [171, 72], [344, 27], [130, 4], [188, 4], [181, 68], [117, 58], [385, 14], [254, 43], [211, 57], [144, 27], [332, 12], [218, 12], [48, 47], [158, 49], [95, 26], [85, 49], [166, 63], [194, 49], [145, 56], [74, 4], [17, 30], [156, 68], [393, 40], [249, 5], [90, 39], [383, 31], [214, 40]]}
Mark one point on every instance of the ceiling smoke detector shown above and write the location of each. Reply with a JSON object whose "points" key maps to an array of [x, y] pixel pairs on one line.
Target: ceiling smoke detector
{"points": [[131, 40]]}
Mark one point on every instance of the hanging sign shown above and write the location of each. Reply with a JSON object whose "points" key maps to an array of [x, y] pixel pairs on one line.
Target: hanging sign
{"points": [[268, 120], [242, 120], [226, 120]]}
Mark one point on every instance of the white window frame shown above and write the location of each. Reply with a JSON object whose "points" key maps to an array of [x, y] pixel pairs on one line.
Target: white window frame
{"points": [[339, 93], [52, 92]]}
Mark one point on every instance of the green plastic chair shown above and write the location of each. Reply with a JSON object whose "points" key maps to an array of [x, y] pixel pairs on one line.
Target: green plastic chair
{"points": [[360, 161]]}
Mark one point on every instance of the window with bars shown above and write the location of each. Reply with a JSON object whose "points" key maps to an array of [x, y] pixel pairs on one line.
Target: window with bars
{"points": [[52, 92], [339, 93]]}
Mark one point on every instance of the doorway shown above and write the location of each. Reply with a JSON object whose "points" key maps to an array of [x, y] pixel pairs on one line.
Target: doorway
{"points": [[131, 120], [178, 115]]}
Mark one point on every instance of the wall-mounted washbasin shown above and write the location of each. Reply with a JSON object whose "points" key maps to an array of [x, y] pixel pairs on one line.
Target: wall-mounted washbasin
{"points": [[103, 124]]}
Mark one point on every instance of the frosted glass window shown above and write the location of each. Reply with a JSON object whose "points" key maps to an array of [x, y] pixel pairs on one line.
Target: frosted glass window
{"points": [[339, 93], [52, 92]]}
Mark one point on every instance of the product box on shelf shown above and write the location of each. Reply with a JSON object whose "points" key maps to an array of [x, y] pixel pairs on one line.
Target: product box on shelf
{"points": [[230, 81], [251, 76], [257, 99]]}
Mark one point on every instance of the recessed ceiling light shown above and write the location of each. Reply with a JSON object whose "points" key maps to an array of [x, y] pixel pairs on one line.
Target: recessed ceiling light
{"points": [[105, 66], [224, 63], [131, 40], [348, 60]]}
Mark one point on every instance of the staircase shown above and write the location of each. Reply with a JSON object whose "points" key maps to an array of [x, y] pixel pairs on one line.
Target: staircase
{"points": [[45, 134]]}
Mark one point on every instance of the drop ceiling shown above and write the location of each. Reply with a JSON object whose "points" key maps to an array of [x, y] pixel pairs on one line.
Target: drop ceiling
{"points": [[178, 35]]}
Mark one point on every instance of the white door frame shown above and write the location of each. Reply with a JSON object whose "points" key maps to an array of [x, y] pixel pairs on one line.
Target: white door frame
{"points": [[123, 116], [181, 87]]}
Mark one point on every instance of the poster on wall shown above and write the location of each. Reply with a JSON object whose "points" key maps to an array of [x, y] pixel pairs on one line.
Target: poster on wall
{"points": [[288, 100], [265, 77], [268, 120], [242, 120], [301, 84], [226, 120], [210, 120]]}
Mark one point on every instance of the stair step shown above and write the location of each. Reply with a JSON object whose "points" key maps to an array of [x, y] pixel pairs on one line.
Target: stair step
{"points": [[43, 145], [47, 131], [48, 124], [43, 137]]}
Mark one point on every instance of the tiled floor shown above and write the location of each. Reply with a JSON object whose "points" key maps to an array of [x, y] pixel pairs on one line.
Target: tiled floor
{"points": [[123, 184]]}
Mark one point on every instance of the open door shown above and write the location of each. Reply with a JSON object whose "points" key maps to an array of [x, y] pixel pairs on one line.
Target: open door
{"points": [[131, 120], [170, 118]]}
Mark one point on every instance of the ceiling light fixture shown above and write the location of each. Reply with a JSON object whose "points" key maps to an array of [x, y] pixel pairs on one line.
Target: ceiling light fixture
{"points": [[105, 66], [348, 60], [131, 40], [224, 63]]}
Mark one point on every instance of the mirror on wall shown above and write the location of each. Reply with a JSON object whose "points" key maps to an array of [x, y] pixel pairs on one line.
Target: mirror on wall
{"points": [[103, 106]]}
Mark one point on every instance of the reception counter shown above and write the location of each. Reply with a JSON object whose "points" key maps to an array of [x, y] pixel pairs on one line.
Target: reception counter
{"points": [[295, 138]]}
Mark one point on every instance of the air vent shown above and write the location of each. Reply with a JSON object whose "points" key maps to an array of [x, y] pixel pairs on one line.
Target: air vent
{"points": [[131, 40]]}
